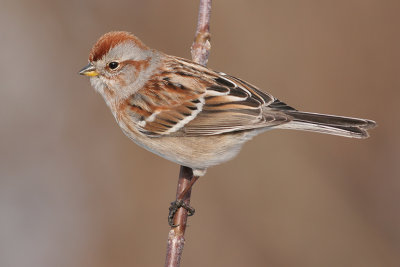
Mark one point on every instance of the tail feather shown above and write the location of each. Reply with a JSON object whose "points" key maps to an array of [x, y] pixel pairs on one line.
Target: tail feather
{"points": [[328, 124]]}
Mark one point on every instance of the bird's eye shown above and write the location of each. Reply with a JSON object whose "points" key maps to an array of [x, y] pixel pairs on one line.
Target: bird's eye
{"points": [[113, 65]]}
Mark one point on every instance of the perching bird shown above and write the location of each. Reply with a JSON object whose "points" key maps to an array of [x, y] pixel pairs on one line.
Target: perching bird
{"points": [[190, 114]]}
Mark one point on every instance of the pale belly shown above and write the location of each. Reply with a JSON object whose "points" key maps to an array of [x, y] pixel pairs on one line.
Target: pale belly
{"points": [[198, 152]]}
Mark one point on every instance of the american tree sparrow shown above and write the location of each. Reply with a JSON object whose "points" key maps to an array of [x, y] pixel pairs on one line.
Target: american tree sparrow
{"points": [[188, 113]]}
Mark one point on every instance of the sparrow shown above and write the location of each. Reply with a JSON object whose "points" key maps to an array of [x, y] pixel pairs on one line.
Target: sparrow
{"points": [[188, 113]]}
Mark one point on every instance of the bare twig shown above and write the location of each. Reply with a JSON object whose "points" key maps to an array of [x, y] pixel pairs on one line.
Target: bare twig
{"points": [[201, 46], [176, 236], [200, 51]]}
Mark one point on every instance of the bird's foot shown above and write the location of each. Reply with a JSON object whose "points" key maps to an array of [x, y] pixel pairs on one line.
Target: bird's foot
{"points": [[179, 203]]}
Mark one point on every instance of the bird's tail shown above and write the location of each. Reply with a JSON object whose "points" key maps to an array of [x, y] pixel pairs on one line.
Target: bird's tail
{"points": [[328, 124]]}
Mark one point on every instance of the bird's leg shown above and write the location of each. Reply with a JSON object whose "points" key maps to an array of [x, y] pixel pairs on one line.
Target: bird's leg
{"points": [[179, 203]]}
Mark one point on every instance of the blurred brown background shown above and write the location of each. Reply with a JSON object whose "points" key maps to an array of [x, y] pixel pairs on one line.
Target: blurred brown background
{"points": [[74, 191]]}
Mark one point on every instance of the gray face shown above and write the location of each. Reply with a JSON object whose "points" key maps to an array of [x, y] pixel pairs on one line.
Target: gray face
{"points": [[124, 52], [124, 69]]}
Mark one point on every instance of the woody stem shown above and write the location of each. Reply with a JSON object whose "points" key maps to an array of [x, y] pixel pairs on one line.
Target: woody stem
{"points": [[176, 237]]}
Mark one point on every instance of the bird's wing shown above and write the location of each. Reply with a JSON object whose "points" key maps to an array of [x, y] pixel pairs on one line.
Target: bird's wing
{"points": [[192, 100]]}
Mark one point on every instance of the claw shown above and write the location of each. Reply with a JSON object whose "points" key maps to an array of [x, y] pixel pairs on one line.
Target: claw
{"points": [[174, 208]]}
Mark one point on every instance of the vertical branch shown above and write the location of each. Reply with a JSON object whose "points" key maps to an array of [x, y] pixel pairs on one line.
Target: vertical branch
{"points": [[176, 236], [201, 46], [200, 51]]}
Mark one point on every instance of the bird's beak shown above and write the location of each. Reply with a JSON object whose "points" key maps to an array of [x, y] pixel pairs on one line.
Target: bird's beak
{"points": [[89, 70]]}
